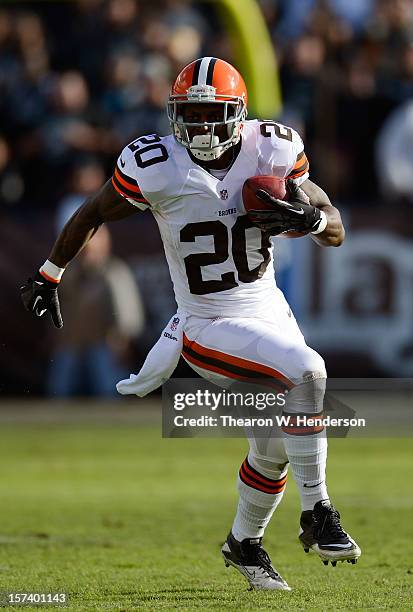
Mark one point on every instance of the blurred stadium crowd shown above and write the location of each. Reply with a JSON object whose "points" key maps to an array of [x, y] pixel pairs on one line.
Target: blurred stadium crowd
{"points": [[80, 79]]}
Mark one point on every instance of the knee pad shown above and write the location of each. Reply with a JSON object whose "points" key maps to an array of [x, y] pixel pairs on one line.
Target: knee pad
{"points": [[306, 397]]}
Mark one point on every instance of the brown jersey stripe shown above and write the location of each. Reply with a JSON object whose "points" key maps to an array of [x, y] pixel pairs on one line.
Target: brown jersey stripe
{"points": [[301, 169], [124, 190], [127, 182], [224, 372], [296, 172], [249, 368], [136, 195], [125, 177], [210, 367], [301, 159], [230, 370], [126, 194]]}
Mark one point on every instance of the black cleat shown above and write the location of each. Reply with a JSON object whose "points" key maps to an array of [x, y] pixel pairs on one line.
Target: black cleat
{"points": [[321, 532], [253, 562]]}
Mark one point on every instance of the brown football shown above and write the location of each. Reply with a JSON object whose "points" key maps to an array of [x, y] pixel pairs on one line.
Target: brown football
{"points": [[274, 186]]}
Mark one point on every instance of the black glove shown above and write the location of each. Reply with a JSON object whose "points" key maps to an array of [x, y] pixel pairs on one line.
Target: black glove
{"points": [[39, 296], [291, 215]]}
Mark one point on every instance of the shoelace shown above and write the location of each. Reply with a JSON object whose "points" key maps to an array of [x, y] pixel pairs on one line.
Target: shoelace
{"points": [[258, 556], [331, 520]]}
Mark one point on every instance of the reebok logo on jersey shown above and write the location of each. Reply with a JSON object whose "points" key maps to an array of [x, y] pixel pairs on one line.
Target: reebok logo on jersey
{"points": [[122, 163]]}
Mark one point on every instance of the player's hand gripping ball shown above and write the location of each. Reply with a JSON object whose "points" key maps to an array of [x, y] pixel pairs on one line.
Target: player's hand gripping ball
{"points": [[279, 207]]}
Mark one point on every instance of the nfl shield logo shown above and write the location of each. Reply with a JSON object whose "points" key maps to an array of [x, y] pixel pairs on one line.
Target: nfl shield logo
{"points": [[223, 194], [174, 324]]}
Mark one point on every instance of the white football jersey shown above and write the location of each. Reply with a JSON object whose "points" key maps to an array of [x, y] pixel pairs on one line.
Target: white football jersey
{"points": [[220, 264]]}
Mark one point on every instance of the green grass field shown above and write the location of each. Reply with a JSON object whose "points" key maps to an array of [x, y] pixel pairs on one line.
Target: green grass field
{"points": [[106, 510]]}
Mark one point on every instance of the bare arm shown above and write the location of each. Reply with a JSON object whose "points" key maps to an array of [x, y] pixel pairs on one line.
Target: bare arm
{"points": [[105, 205], [334, 233]]}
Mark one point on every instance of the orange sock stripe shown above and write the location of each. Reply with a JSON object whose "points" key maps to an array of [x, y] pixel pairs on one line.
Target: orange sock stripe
{"points": [[256, 485], [303, 430], [257, 476]]}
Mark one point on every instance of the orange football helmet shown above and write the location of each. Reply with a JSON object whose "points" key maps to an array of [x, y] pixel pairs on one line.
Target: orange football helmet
{"points": [[208, 80]]}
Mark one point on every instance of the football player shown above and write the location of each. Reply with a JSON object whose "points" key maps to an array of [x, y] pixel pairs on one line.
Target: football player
{"points": [[238, 324]]}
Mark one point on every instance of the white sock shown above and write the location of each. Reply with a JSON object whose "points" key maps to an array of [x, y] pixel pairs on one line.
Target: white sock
{"points": [[306, 447], [308, 457], [259, 497]]}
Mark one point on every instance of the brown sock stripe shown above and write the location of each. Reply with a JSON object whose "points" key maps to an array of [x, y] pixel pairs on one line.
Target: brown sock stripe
{"points": [[254, 479]]}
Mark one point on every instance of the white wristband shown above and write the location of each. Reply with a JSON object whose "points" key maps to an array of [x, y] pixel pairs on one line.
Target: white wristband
{"points": [[51, 272], [323, 223]]}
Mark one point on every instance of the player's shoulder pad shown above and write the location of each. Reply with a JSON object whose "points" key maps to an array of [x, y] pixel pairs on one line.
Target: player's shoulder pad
{"points": [[141, 167], [280, 150]]}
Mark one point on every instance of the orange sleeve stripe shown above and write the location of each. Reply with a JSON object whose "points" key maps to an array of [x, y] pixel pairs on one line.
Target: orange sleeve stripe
{"points": [[142, 200], [129, 186], [298, 174], [300, 167], [301, 158], [301, 161]]}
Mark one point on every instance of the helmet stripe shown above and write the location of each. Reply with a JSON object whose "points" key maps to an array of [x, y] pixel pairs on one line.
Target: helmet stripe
{"points": [[203, 70], [196, 72], [210, 72]]}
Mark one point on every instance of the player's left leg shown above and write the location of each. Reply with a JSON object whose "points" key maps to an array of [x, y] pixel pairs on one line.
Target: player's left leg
{"points": [[306, 448], [224, 348]]}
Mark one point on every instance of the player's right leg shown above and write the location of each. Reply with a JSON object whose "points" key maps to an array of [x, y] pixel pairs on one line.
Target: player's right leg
{"points": [[261, 479], [261, 485]]}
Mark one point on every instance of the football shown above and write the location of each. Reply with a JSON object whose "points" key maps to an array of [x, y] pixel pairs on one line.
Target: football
{"points": [[275, 187]]}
